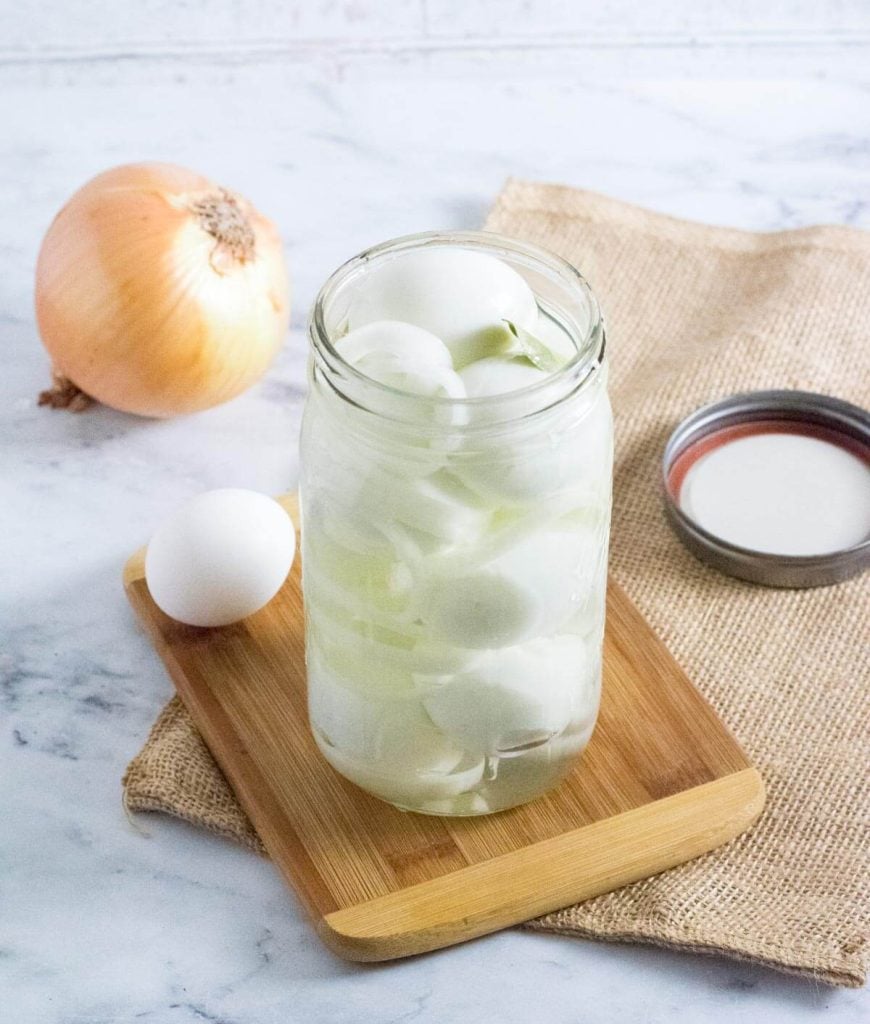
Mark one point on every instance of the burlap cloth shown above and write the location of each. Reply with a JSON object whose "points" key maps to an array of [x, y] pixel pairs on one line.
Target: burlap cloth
{"points": [[695, 313]]}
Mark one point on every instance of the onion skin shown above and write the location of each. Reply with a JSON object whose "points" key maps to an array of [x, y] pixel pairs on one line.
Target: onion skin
{"points": [[145, 310]]}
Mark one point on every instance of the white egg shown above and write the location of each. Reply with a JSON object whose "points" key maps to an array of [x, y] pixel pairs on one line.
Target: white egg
{"points": [[396, 734], [513, 697], [427, 381], [408, 359], [220, 557], [557, 455], [455, 293], [391, 339], [495, 376], [575, 738], [530, 589]]}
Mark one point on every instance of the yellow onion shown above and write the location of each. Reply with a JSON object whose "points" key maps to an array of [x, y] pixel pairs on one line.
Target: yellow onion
{"points": [[159, 292]]}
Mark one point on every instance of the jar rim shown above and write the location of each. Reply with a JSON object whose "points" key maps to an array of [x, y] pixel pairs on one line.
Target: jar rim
{"points": [[573, 375]]}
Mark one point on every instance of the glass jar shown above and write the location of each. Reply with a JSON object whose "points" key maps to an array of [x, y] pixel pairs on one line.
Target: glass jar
{"points": [[454, 556]]}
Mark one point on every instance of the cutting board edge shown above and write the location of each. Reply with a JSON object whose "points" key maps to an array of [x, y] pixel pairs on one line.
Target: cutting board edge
{"points": [[568, 868], [243, 775]]}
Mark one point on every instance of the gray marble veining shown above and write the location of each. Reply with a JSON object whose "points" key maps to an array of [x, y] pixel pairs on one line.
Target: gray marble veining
{"points": [[341, 148]]}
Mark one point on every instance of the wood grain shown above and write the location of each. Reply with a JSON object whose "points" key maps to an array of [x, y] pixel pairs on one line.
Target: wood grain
{"points": [[662, 781]]}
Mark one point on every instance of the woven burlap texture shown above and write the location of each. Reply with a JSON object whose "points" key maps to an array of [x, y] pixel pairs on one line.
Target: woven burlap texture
{"points": [[695, 313]]}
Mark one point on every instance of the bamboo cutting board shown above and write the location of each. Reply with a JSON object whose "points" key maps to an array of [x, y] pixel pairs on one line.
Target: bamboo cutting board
{"points": [[662, 781]]}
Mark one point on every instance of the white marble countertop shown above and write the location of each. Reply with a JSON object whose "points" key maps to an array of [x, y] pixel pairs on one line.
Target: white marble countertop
{"points": [[347, 123]]}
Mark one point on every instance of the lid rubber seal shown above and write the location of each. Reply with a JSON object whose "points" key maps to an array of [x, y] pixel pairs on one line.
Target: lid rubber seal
{"points": [[758, 412]]}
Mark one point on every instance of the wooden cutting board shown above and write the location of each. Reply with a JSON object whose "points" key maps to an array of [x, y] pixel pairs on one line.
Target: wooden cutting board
{"points": [[662, 781]]}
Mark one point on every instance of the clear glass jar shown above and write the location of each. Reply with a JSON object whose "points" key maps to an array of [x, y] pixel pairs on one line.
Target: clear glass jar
{"points": [[454, 556]]}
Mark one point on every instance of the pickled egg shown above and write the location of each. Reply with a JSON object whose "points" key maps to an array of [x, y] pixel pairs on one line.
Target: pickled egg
{"points": [[391, 340], [530, 589], [496, 376], [390, 748], [454, 293], [408, 359], [576, 457], [513, 698]]}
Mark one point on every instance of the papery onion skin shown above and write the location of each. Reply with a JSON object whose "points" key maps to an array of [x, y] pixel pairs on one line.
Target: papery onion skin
{"points": [[144, 308]]}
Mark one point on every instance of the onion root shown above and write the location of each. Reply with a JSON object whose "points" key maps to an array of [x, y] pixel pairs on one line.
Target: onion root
{"points": [[63, 394]]}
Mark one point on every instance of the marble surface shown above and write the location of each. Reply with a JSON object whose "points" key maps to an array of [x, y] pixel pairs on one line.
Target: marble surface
{"points": [[346, 126]]}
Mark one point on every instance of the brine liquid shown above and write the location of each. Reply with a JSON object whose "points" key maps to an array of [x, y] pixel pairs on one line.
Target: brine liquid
{"points": [[501, 781], [455, 604]]}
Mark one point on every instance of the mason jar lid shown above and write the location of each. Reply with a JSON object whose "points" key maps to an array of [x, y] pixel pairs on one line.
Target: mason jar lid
{"points": [[773, 487]]}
